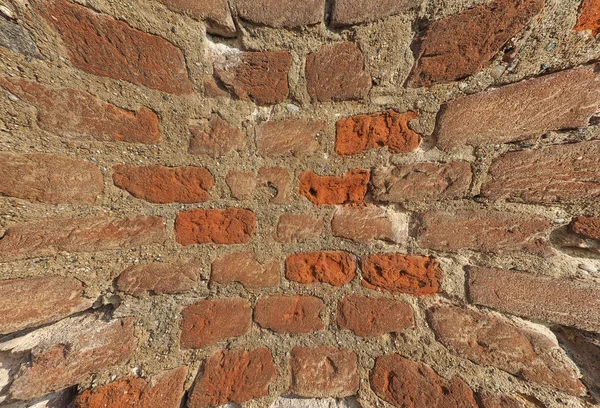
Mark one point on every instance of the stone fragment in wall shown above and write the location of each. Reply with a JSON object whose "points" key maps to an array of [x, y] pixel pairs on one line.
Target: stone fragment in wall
{"points": [[350, 188], [289, 314], [336, 268], [351, 12], [589, 17], [297, 138], [215, 137], [373, 317], [159, 278], [17, 39], [370, 223], [294, 228], [213, 226], [243, 267], [281, 13], [215, 13]]}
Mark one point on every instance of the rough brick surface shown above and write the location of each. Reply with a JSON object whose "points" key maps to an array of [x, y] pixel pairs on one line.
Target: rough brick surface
{"points": [[79, 115], [336, 268], [159, 278], [349, 12], [47, 237], [348, 189], [158, 184], [323, 372], [504, 401], [491, 340], [405, 383], [365, 224], [336, 72], [242, 184], [557, 300], [587, 226], [31, 302], [278, 180], [461, 45], [357, 134], [210, 321], [289, 314], [296, 138], [372, 317], [535, 107], [230, 226], [233, 376], [49, 178], [281, 13], [483, 230], [215, 13], [397, 273], [295, 228], [215, 137], [589, 17], [556, 174], [242, 267], [104, 46], [422, 182]]}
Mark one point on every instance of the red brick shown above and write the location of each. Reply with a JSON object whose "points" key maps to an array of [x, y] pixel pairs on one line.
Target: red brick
{"points": [[461, 45], [159, 278], [48, 236], [336, 268], [212, 89], [295, 228], [31, 302], [230, 226], [373, 317], [296, 138], [216, 14], [348, 189], [208, 322], [336, 72], [162, 391], [289, 314], [351, 12], [405, 383], [49, 178], [323, 372], [103, 46], [69, 352], [242, 267], [357, 134], [163, 185], [276, 179], [491, 340], [260, 77], [589, 17], [533, 108], [589, 227], [422, 182], [397, 273], [242, 184], [484, 231], [233, 376], [77, 114], [556, 174], [558, 300], [504, 401], [215, 138], [369, 223], [281, 13]]}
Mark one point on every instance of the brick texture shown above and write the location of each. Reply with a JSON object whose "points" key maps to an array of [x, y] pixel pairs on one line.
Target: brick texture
{"points": [[281, 13], [589, 17], [364, 224], [296, 138], [216, 14], [589, 227], [231, 226], [289, 314], [242, 267], [298, 228], [159, 278], [349, 12], [336, 268], [348, 189], [215, 137], [372, 317]]}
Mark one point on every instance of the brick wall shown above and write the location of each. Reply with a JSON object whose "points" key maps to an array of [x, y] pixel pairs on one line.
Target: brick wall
{"points": [[310, 203]]}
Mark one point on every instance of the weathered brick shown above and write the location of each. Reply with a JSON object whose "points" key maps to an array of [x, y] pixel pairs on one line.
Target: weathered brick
{"points": [[48, 236], [260, 77], [398, 273], [405, 383], [504, 401], [359, 133], [351, 12], [522, 111], [483, 230], [365, 224], [242, 184], [208, 322], [491, 340], [296, 138], [216, 14], [289, 314], [555, 174], [348, 189], [589, 227], [242, 267], [422, 182], [230, 226], [277, 179], [104, 46], [233, 376], [31, 302], [68, 352], [80, 115], [215, 137], [162, 185], [372, 317], [295, 228], [589, 17], [336, 268], [161, 391], [49, 178], [557, 300], [323, 372], [18, 39], [281, 13], [159, 278], [336, 72], [461, 45]]}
